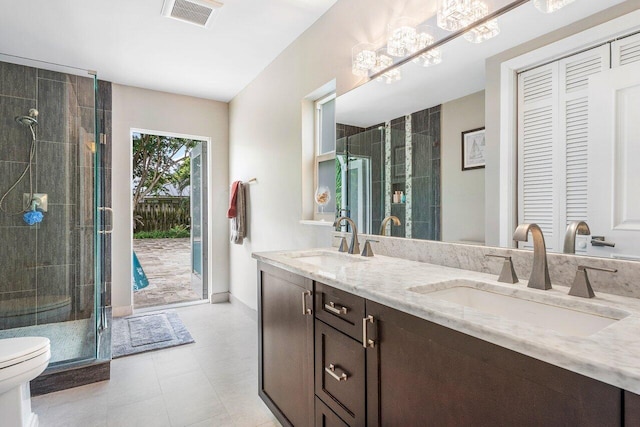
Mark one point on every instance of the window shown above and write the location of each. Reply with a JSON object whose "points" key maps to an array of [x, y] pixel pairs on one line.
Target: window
{"points": [[325, 157]]}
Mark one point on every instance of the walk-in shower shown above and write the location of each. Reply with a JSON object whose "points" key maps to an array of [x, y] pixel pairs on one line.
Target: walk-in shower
{"points": [[54, 134]]}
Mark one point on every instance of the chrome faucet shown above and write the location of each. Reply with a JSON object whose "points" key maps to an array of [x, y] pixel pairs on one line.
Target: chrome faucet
{"points": [[383, 226], [574, 227], [539, 278], [354, 247]]}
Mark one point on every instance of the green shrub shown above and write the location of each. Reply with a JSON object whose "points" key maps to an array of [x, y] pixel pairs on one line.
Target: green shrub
{"points": [[177, 232]]}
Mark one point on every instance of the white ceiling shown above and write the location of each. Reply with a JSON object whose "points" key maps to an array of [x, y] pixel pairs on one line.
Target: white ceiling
{"points": [[129, 42], [462, 71]]}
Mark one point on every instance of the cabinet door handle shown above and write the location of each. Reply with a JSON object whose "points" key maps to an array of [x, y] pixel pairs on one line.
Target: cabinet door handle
{"points": [[365, 341], [331, 370], [305, 310], [335, 309]]}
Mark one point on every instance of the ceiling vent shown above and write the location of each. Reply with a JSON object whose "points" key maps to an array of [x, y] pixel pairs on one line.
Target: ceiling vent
{"points": [[197, 12]]}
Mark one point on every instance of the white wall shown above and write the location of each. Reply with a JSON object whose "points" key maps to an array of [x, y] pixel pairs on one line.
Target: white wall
{"points": [[462, 191], [165, 112], [265, 128]]}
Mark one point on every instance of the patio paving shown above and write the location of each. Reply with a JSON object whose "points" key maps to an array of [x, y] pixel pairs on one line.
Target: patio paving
{"points": [[167, 264]]}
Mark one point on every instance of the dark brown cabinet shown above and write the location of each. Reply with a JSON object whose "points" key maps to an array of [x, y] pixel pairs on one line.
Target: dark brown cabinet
{"points": [[285, 321], [412, 373], [420, 373]]}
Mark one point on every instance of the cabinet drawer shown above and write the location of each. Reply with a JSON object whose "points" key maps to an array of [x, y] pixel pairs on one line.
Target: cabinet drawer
{"points": [[325, 417], [340, 309], [340, 373]]}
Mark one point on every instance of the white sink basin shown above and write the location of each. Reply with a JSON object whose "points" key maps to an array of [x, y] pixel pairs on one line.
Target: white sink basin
{"points": [[328, 259], [518, 308]]}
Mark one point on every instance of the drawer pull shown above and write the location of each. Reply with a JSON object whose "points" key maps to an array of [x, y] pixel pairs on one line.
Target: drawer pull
{"points": [[331, 370], [335, 309], [365, 341], [306, 311]]}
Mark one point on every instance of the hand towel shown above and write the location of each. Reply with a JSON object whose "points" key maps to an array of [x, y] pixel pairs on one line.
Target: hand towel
{"points": [[231, 213], [239, 222]]}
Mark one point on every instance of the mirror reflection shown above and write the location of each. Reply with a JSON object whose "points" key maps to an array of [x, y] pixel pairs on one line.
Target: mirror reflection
{"points": [[412, 157]]}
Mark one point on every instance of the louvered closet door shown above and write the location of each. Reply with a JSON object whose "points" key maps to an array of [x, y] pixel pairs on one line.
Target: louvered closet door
{"points": [[625, 51], [553, 108], [537, 131], [574, 74]]}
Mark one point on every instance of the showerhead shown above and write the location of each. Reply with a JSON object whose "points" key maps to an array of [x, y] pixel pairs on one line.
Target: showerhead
{"points": [[29, 120]]}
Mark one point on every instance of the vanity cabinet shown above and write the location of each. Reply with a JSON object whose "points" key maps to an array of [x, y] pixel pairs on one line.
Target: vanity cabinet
{"points": [[285, 344], [314, 369], [420, 373]]}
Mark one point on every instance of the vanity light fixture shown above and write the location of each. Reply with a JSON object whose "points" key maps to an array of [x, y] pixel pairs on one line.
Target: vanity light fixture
{"points": [[550, 6], [401, 37], [425, 38], [384, 61], [363, 59], [454, 15], [484, 31]]}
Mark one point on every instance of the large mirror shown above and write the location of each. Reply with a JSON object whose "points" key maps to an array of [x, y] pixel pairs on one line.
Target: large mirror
{"points": [[533, 125]]}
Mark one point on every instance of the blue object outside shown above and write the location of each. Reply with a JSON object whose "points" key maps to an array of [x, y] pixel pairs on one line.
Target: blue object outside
{"points": [[140, 280]]}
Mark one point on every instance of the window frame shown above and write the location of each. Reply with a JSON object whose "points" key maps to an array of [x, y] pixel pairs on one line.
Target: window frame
{"points": [[319, 157]]}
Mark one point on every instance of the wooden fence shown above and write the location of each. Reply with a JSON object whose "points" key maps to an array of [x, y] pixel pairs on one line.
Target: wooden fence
{"points": [[162, 213]]}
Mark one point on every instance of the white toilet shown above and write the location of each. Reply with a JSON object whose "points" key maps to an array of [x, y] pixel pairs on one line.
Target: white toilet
{"points": [[21, 360]]}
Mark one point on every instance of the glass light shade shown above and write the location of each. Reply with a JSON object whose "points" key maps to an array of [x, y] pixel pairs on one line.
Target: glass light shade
{"points": [[485, 31], [363, 59], [430, 57], [550, 6], [383, 62], [401, 37], [454, 15]]}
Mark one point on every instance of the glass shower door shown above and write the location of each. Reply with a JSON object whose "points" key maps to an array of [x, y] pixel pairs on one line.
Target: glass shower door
{"points": [[51, 180]]}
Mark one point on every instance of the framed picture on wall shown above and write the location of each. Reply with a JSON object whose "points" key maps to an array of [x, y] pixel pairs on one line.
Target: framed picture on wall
{"points": [[473, 149]]}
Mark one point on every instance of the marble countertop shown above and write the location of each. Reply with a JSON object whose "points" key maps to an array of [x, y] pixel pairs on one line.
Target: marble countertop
{"points": [[610, 355]]}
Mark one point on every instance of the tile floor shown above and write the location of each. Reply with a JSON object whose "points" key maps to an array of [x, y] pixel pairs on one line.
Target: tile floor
{"points": [[213, 382], [167, 264]]}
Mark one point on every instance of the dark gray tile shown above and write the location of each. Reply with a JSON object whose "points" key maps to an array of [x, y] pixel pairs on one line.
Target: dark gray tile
{"points": [[377, 162], [86, 135], [17, 309], [86, 247], [57, 171], [54, 75], [421, 156], [55, 294], [421, 199], [86, 92], [58, 111], [341, 145], [15, 139], [420, 121], [436, 223], [13, 203], [104, 95], [57, 236], [398, 123], [84, 301], [421, 230], [17, 80], [435, 182], [17, 258], [85, 196], [377, 208]]}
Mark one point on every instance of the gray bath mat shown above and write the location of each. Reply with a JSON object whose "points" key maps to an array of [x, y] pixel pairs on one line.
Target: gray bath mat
{"points": [[147, 332]]}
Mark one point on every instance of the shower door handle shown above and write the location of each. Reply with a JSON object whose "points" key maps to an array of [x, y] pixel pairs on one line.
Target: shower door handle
{"points": [[106, 209]]}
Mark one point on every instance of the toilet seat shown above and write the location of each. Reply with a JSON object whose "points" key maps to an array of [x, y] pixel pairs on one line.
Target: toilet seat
{"points": [[18, 350]]}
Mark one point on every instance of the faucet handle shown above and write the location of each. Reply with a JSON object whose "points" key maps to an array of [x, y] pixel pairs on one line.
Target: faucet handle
{"points": [[508, 273], [581, 286], [367, 251], [343, 244]]}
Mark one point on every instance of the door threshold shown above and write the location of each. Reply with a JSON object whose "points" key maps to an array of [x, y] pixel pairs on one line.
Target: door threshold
{"points": [[169, 306]]}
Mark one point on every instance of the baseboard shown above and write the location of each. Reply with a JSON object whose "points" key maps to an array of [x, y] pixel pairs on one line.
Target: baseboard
{"points": [[122, 311], [219, 297], [253, 314]]}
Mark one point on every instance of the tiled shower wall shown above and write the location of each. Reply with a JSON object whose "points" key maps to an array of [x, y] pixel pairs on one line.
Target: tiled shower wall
{"points": [[46, 270], [423, 181]]}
